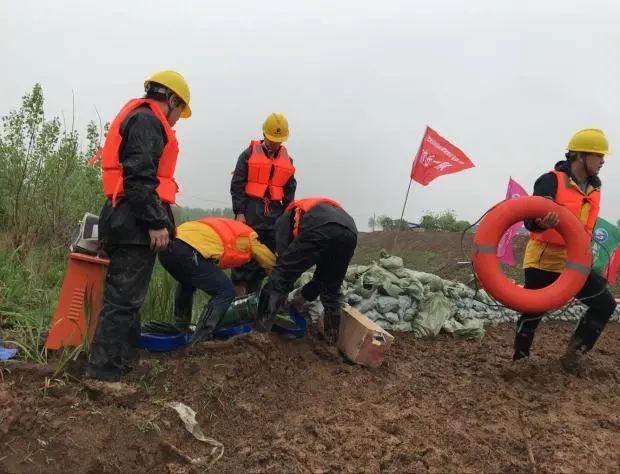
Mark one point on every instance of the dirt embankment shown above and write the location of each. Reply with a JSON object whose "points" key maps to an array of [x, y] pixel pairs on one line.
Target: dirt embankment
{"points": [[436, 406]]}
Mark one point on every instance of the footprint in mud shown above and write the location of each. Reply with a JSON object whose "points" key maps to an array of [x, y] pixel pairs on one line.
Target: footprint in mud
{"points": [[600, 373], [111, 392], [327, 353]]}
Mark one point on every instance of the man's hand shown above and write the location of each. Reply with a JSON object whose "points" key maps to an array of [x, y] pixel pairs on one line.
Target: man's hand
{"points": [[240, 218], [550, 221], [160, 238]]}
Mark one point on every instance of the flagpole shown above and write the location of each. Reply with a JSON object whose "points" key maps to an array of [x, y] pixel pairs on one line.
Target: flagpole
{"points": [[394, 243], [405, 203], [402, 214]]}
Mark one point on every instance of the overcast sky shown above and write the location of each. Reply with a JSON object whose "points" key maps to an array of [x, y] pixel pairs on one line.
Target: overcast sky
{"points": [[508, 81]]}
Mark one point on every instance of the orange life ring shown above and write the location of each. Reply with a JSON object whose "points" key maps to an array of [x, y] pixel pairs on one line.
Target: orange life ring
{"points": [[493, 280]]}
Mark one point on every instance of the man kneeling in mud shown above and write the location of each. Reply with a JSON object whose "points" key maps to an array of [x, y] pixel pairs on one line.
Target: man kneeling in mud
{"points": [[196, 259]]}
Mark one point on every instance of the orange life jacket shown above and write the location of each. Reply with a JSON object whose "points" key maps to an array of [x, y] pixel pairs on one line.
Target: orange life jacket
{"points": [[268, 174], [302, 206], [113, 169], [229, 231], [570, 196]]}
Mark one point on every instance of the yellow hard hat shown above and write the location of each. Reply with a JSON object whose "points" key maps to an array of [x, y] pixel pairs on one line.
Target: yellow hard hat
{"points": [[175, 82], [275, 128], [589, 140]]}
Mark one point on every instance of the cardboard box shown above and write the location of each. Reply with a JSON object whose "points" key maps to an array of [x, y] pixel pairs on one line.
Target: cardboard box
{"points": [[363, 341]]}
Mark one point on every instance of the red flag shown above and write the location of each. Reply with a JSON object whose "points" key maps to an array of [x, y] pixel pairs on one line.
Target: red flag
{"points": [[436, 157]]}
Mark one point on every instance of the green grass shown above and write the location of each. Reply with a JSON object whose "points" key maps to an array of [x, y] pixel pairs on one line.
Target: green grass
{"points": [[29, 289]]}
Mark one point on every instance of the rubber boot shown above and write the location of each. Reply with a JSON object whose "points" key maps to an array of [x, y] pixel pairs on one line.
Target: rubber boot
{"points": [[207, 323], [575, 350], [523, 342], [331, 325], [269, 304], [105, 374]]}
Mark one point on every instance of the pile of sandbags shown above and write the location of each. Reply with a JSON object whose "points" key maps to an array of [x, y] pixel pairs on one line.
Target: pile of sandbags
{"points": [[400, 299]]}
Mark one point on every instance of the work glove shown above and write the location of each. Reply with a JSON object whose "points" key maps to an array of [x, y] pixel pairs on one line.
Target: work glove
{"points": [[269, 303]]}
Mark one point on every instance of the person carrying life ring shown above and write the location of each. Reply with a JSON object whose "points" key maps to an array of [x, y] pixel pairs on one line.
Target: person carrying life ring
{"points": [[573, 183]]}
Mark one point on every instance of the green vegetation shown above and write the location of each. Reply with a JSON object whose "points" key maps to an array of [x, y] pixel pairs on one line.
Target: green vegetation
{"points": [[46, 186], [439, 221]]}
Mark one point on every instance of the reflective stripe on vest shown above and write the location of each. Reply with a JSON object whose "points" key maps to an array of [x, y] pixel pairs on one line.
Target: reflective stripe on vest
{"points": [[302, 206], [268, 174], [571, 197], [230, 231], [112, 175]]}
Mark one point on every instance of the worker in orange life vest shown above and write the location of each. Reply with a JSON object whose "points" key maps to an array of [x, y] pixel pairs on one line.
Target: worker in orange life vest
{"points": [[196, 259], [262, 186], [138, 162], [312, 231], [575, 184]]}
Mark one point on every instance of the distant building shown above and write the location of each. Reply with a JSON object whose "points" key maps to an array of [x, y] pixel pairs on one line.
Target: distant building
{"points": [[412, 226]]}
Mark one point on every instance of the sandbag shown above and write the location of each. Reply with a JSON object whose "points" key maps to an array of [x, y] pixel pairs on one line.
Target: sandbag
{"points": [[391, 317], [391, 262], [386, 304], [468, 329], [415, 289], [434, 311], [353, 272], [458, 291], [366, 285], [373, 315], [404, 302], [410, 313], [391, 289], [354, 299], [402, 326], [367, 304], [401, 299]]}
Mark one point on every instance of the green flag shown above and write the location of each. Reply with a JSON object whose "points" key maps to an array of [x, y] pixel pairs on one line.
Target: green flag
{"points": [[606, 239]]}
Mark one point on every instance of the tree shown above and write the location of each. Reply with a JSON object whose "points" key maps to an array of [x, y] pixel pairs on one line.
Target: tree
{"points": [[385, 223], [461, 226], [445, 221], [429, 222], [46, 183], [400, 224], [372, 223]]}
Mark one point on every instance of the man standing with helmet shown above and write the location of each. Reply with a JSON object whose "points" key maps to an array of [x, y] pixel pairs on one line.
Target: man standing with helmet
{"points": [[262, 186], [138, 162], [574, 184]]}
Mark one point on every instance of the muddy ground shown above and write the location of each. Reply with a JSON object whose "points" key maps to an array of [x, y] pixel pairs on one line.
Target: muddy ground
{"points": [[436, 406]]}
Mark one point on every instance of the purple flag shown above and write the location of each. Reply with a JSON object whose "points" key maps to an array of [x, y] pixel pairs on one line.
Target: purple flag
{"points": [[504, 248]]}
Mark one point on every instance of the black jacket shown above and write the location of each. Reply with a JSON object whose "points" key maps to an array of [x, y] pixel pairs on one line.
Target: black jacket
{"points": [[547, 186], [317, 219], [140, 209], [254, 208]]}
